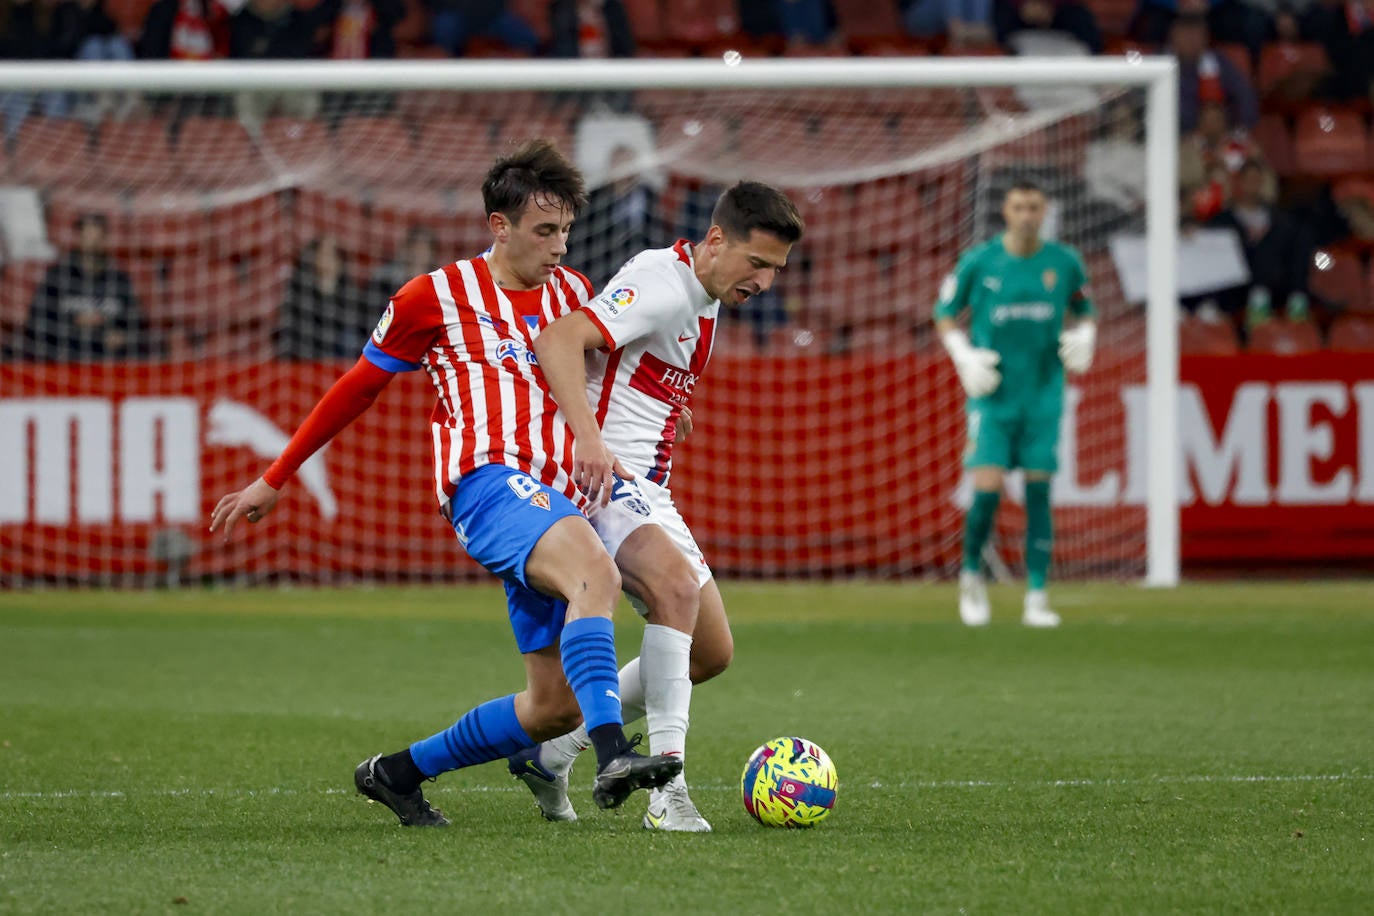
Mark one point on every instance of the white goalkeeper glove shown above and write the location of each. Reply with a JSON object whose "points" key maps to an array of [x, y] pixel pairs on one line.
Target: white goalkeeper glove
{"points": [[1076, 346], [976, 366]]}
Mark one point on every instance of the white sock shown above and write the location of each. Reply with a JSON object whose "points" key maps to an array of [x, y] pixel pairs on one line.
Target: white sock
{"points": [[665, 660], [558, 754]]}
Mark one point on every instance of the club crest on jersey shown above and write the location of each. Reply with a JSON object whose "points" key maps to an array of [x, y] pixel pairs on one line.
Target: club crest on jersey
{"points": [[619, 299], [1049, 278], [379, 334], [540, 500]]}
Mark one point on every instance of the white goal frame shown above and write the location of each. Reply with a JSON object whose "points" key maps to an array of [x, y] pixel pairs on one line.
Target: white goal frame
{"points": [[1158, 76]]}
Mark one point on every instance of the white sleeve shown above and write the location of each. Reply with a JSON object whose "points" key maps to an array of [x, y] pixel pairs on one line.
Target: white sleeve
{"points": [[638, 303]]}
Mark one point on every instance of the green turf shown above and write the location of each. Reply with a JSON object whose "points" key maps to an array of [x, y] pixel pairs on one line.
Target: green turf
{"points": [[1202, 750]]}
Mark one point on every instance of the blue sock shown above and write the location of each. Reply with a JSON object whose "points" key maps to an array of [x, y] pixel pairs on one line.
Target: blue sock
{"points": [[489, 732], [588, 647]]}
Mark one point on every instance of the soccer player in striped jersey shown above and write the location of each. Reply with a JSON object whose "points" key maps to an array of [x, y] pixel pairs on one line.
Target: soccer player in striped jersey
{"points": [[1020, 291], [503, 455], [623, 369]]}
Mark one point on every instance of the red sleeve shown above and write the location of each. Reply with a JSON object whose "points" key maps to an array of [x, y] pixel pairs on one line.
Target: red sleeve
{"points": [[344, 402]]}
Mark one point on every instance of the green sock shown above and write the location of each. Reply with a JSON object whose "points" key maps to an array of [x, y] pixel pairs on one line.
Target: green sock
{"points": [[1039, 533], [977, 527]]}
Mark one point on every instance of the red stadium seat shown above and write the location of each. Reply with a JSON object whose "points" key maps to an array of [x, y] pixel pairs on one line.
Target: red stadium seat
{"points": [[1274, 140], [863, 22], [1197, 337], [134, 153], [646, 20], [297, 147], [1337, 279], [1329, 142], [249, 227], [557, 128], [1289, 71], [454, 150], [214, 152], [536, 13], [50, 151], [1281, 337], [372, 149], [1352, 334], [699, 21]]}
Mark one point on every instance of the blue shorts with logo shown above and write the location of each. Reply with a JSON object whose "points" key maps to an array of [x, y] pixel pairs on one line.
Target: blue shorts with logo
{"points": [[499, 514]]}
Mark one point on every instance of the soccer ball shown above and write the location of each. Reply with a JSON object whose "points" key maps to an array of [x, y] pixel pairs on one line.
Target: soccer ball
{"points": [[789, 782]]}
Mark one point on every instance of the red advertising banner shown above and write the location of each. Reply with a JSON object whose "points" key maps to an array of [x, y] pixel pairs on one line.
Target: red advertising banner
{"points": [[818, 465]]}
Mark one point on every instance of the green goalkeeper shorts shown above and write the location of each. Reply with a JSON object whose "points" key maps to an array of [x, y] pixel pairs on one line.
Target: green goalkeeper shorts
{"points": [[1016, 440]]}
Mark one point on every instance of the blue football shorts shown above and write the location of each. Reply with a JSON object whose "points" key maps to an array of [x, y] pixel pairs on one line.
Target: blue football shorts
{"points": [[499, 514]]}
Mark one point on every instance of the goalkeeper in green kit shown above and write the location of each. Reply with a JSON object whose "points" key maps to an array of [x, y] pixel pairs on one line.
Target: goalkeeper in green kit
{"points": [[1030, 320]]}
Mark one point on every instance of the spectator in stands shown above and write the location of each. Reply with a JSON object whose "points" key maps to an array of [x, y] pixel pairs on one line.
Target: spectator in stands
{"points": [[1210, 157], [1114, 168], [1345, 28], [325, 314], [1064, 16], [1206, 76], [269, 30], [621, 219], [455, 22], [805, 22], [85, 308], [1230, 21], [360, 29], [185, 30], [418, 254], [590, 28], [35, 30], [1278, 247], [966, 23]]}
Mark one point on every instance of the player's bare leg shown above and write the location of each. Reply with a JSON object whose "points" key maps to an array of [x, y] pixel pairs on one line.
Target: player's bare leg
{"points": [[974, 609], [1039, 541], [570, 561]]}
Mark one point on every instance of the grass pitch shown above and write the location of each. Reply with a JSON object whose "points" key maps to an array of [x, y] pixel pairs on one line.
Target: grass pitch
{"points": [[1204, 750]]}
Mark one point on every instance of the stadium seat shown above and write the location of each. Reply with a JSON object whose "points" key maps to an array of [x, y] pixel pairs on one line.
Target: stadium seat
{"points": [[1197, 337], [297, 148], [373, 150], [454, 150], [1281, 337], [1337, 279], [863, 22], [695, 22], [1329, 142], [536, 13], [215, 152], [454, 215], [49, 152], [134, 153], [1352, 334], [249, 227], [646, 20], [550, 125], [1272, 136], [1289, 71]]}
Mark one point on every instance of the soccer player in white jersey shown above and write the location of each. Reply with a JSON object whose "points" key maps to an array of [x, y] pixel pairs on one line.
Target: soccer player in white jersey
{"points": [[623, 369], [502, 477]]}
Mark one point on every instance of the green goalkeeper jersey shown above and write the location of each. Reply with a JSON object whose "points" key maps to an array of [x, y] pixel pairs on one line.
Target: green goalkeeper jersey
{"points": [[1017, 307]]}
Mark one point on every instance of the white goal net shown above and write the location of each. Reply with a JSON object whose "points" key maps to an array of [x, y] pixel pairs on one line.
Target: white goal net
{"points": [[186, 271]]}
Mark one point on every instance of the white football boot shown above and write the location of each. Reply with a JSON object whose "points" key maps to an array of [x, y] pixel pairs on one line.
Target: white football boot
{"points": [[974, 610], [671, 808], [550, 789], [1036, 612]]}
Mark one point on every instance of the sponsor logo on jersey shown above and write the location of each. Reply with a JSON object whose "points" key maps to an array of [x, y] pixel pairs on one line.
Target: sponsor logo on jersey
{"points": [[663, 381], [379, 334], [619, 299], [510, 349], [540, 500], [1023, 311], [1049, 278], [993, 283]]}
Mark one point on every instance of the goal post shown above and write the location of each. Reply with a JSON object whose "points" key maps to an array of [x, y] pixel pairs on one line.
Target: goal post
{"points": [[907, 151]]}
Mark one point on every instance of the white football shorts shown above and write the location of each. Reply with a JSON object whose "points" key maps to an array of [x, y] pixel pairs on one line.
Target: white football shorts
{"points": [[642, 502]]}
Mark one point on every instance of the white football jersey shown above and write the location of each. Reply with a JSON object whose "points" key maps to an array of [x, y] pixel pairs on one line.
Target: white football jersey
{"points": [[659, 323]]}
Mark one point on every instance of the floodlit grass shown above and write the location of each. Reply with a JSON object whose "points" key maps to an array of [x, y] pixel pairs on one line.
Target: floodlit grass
{"points": [[1206, 749]]}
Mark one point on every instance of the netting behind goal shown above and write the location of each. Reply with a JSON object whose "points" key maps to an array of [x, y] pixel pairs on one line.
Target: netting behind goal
{"points": [[261, 235]]}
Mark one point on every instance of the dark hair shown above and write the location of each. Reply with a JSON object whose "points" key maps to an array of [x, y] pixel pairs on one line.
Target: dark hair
{"points": [[751, 205], [536, 167], [1024, 184], [1197, 20]]}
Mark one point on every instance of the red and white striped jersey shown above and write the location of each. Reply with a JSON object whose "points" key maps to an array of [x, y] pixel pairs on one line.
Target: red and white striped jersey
{"points": [[659, 323], [476, 341]]}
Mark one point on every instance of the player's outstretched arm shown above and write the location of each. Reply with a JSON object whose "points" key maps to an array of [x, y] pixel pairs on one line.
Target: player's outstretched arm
{"points": [[345, 401], [561, 349]]}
